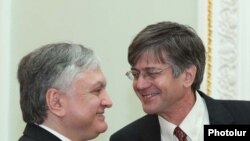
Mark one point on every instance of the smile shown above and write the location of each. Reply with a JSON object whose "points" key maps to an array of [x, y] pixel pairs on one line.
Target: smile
{"points": [[148, 96]]}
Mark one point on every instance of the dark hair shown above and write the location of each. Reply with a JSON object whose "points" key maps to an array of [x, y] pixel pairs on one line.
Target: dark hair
{"points": [[172, 43], [51, 66]]}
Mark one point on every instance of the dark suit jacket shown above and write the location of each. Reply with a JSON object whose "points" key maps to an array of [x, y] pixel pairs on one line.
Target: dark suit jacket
{"points": [[147, 128], [35, 133]]}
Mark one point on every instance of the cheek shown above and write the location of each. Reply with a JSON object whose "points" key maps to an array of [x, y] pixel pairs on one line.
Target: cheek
{"points": [[82, 114], [85, 106], [162, 84], [170, 88], [90, 104]]}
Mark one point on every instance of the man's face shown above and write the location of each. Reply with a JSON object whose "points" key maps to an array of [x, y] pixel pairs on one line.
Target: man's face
{"points": [[156, 87], [85, 104]]}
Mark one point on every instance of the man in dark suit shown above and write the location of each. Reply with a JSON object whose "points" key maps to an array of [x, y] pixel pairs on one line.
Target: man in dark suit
{"points": [[167, 65], [62, 94], [33, 132]]}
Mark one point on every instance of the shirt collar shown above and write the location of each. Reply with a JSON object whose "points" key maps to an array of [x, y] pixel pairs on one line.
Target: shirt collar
{"points": [[167, 129], [60, 136], [196, 118]]}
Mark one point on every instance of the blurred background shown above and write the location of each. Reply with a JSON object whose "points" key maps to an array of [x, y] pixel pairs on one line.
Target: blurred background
{"points": [[108, 27]]}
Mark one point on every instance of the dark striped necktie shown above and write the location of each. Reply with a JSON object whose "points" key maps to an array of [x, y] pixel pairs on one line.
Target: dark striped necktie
{"points": [[181, 135]]}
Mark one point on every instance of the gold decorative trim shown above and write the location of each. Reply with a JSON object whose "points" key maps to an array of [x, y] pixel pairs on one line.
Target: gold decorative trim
{"points": [[209, 48]]}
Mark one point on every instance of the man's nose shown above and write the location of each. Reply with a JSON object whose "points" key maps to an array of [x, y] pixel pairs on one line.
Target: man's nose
{"points": [[106, 101], [141, 82]]}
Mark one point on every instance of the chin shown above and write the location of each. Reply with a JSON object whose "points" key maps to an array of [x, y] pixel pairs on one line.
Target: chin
{"points": [[98, 130], [102, 127], [149, 110]]}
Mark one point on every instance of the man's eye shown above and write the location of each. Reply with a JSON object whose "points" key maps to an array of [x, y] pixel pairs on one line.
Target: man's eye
{"points": [[97, 91], [135, 74], [153, 72]]}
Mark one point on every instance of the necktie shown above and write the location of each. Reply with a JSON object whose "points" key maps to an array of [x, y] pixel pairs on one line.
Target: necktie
{"points": [[181, 135]]}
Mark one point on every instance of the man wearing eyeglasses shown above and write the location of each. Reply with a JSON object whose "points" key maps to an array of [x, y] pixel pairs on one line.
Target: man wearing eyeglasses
{"points": [[167, 65]]}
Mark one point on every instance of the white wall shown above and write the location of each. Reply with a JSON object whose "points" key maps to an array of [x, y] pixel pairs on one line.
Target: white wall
{"points": [[105, 26], [244, 51], [5, 68]]}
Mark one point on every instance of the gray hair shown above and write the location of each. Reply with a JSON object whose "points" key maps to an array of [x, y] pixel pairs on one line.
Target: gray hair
{"points": [[172, 43], [50, 66]]}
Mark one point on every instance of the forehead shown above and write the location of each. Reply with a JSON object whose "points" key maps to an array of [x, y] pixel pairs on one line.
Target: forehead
{"points": [[90, 77], [148, 60]]}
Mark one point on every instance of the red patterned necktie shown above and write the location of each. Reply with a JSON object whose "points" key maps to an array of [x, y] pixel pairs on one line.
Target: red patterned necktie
{"points": [[181, 135]]}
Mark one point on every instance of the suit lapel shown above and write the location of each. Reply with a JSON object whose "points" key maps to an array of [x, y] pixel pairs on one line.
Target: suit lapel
{"points": [[150, 130], [218, 114]]}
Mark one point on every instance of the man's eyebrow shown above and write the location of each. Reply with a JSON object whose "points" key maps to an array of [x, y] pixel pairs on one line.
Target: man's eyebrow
{"points": [[100, 84], [134, 68], [144, 68]]}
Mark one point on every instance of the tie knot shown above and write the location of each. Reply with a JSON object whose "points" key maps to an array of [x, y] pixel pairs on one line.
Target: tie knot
{"points": [[180, 134]]}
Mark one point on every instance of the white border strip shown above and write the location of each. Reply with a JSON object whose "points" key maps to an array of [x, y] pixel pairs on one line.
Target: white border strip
{"points": [[5, 18]]}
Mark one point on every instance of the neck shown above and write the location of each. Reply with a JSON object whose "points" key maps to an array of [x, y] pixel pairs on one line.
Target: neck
{"points": [[181, 109]]}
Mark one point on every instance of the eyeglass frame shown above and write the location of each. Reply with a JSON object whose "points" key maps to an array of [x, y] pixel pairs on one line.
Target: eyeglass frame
{"points": [[146, 72]]}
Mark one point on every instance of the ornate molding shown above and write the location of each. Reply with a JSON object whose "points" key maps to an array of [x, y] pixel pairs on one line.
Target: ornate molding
{"points": [[227, 49], [209, 47]]}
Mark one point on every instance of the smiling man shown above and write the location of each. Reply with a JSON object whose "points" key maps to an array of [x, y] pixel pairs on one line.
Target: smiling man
{"points": [[167, 65], [62, 94]]}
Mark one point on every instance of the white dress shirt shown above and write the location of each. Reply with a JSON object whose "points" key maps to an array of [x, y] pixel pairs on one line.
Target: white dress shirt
{"points": [[192, 125]]}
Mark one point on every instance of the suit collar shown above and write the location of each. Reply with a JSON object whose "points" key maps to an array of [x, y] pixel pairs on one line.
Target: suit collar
{"points": [[218, 114], [151, 126], [39, 133]]}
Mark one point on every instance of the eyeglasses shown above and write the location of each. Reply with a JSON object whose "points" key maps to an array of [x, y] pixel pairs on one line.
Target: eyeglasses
{"points": [[150, 72]]}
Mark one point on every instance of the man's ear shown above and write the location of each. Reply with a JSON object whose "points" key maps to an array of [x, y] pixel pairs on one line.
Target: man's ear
{"points": [[55, 99], [190, 74]]}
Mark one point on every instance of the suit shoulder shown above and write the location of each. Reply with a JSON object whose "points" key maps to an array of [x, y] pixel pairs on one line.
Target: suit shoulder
{"points": [[25, 138], [236, 104], [131, 131], [137, 124], [239, 109]]}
